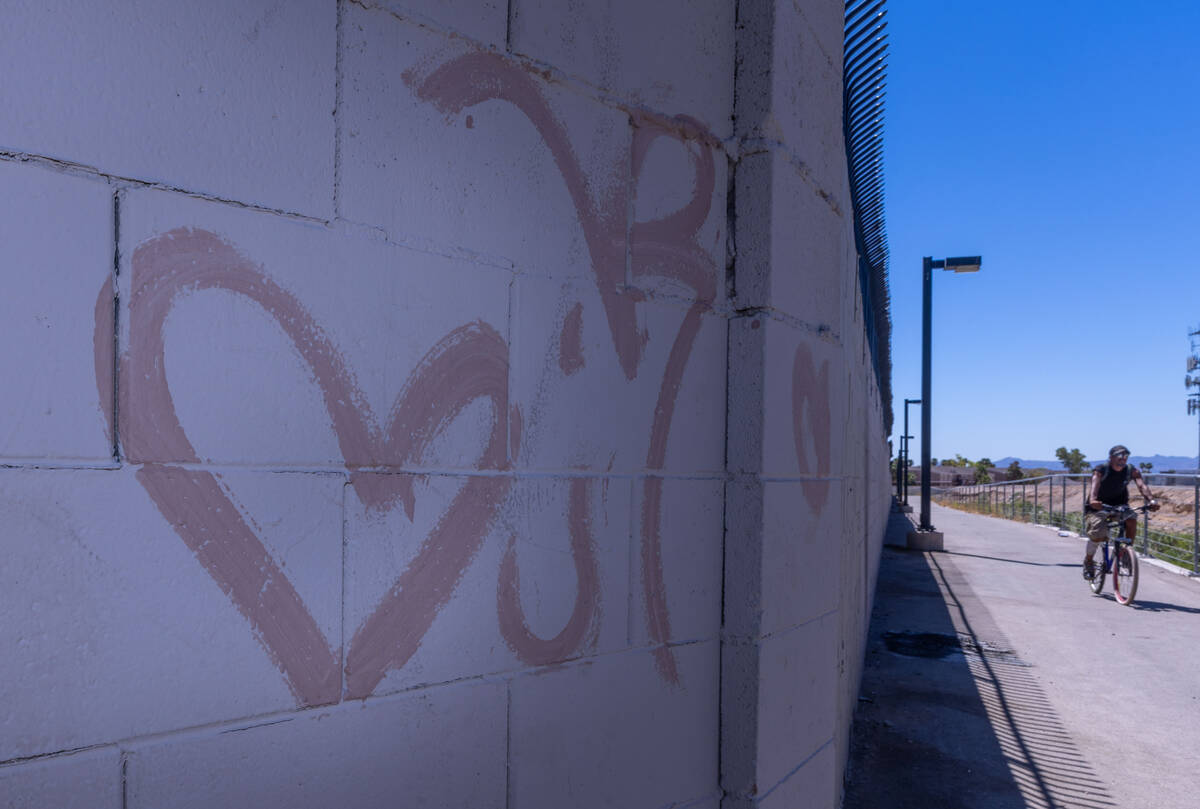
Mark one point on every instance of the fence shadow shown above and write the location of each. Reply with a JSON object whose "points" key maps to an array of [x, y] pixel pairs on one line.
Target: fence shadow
{"points": [[948, 713], [1162, 606]]}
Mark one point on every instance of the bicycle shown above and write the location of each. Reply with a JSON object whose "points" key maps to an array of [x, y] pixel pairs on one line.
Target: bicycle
{"points": [[1123, 561]]}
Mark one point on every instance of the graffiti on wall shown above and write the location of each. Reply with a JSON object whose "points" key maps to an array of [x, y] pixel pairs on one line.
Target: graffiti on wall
{"points": [[812, 425], [469, 364]]}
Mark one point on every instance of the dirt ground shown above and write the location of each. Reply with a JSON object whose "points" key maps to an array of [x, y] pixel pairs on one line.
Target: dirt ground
{"points": [[1177, 514]]}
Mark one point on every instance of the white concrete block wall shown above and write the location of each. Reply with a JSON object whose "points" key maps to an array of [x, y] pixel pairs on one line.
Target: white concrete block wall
{"points": [[612, 732], [803, 423], [229, 99], [484, 21], [448, 400], [444, 746], [439, 140], [88, 780], [56, 233], [111, 628], [618, 47]]}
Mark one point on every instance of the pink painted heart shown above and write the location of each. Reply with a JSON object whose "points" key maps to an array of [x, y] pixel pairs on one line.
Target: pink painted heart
{"points": [[468, 364]]}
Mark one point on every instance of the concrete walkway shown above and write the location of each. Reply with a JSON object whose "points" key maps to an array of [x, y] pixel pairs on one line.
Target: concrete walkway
{"points": [[994, 678]]}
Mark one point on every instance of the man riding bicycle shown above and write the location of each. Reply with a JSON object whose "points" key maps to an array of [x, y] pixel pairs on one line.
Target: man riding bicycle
{"points": [[1109, 488]]}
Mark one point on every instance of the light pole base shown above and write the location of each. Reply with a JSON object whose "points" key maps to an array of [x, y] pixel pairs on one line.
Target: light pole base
{"points": [[906, 508], [926, 540]]}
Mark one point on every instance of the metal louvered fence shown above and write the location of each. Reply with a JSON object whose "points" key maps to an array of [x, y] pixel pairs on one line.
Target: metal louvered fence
{"points": [[864, 75]]}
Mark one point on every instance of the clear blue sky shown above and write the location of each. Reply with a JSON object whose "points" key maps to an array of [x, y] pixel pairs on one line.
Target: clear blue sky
{"points": [[1061, 141]]}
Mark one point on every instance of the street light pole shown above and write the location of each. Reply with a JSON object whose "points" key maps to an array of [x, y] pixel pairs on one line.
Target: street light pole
{"points": [[928, 265], [904, 439], [926, 389]]}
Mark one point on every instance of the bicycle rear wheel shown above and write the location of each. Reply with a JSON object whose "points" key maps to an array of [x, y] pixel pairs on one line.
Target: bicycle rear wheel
{"points": [[1125, 574]]}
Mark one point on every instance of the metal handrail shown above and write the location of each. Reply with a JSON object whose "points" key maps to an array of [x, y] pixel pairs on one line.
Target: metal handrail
{"points": [[1023, 500]]}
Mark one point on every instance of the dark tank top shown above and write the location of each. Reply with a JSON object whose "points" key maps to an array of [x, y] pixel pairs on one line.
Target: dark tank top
{"points": [[1112, 490]]}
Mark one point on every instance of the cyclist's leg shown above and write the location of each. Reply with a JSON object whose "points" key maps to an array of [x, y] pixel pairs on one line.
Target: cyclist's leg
{"points": [[1131, 528], [1097, 532]]}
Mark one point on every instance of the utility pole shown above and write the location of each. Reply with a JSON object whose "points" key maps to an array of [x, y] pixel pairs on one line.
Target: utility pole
{"points": [[904, 439]]}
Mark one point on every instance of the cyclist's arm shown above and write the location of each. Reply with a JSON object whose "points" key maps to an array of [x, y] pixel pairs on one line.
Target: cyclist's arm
{"points": [[1141, 484], [1094, 496]]}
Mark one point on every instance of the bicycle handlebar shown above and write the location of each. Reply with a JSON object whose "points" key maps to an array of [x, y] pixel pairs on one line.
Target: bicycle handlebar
{"points": [[1117, 510]]}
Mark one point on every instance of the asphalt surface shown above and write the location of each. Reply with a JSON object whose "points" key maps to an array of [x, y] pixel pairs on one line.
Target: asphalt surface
{"points": [[994, 678]]}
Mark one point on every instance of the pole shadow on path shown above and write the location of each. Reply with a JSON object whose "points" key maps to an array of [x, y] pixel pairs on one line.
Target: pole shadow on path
{"points": [[949, 715]]}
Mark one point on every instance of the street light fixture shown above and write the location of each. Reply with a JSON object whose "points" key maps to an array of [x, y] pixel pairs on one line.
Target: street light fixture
{"points": [[957, 264]]}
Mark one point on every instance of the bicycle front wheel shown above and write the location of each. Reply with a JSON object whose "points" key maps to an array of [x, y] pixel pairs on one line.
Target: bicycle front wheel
{"points": [[1125, 574]]}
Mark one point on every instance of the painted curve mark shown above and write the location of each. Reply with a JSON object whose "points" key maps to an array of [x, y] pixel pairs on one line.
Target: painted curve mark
{"points": [[810, 398], [667, 246], [584, 616]]}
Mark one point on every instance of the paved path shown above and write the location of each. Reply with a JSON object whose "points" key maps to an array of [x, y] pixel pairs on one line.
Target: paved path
{"points": [[995, 679]]}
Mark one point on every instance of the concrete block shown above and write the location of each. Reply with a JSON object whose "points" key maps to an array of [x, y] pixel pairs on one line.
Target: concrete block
{"points": [[755, 51], [514, 574], [739, 719], [677, 563], [612, 732], [56, 247], [485, 21], [797, 698], [461, 150], [678, 238], [789, 94], [695, 389], [790, 251], [814, 785], [234, 101], [116, 627], [806, 99], [926, 540], [90, 780], [826, 20], [590, 372], [753, 177], [803, 537], [438, 747], [291, 344], [747, 386], [805, 405], [742, 597], [579, 408], [673, 57]]}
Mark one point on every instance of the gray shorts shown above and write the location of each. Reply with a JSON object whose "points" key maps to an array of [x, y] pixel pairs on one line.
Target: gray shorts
{"points": [[1097, 526]]}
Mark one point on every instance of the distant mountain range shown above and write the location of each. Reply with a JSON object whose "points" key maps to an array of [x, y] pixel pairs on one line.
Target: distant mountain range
{"points": [[1161, 462]]}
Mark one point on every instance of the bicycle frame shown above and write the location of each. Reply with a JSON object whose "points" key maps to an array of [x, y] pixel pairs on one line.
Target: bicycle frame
{"points": [[1119, 524]]}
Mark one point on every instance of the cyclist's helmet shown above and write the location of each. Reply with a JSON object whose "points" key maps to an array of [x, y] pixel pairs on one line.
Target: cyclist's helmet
{"points": [[1119, 449]]}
